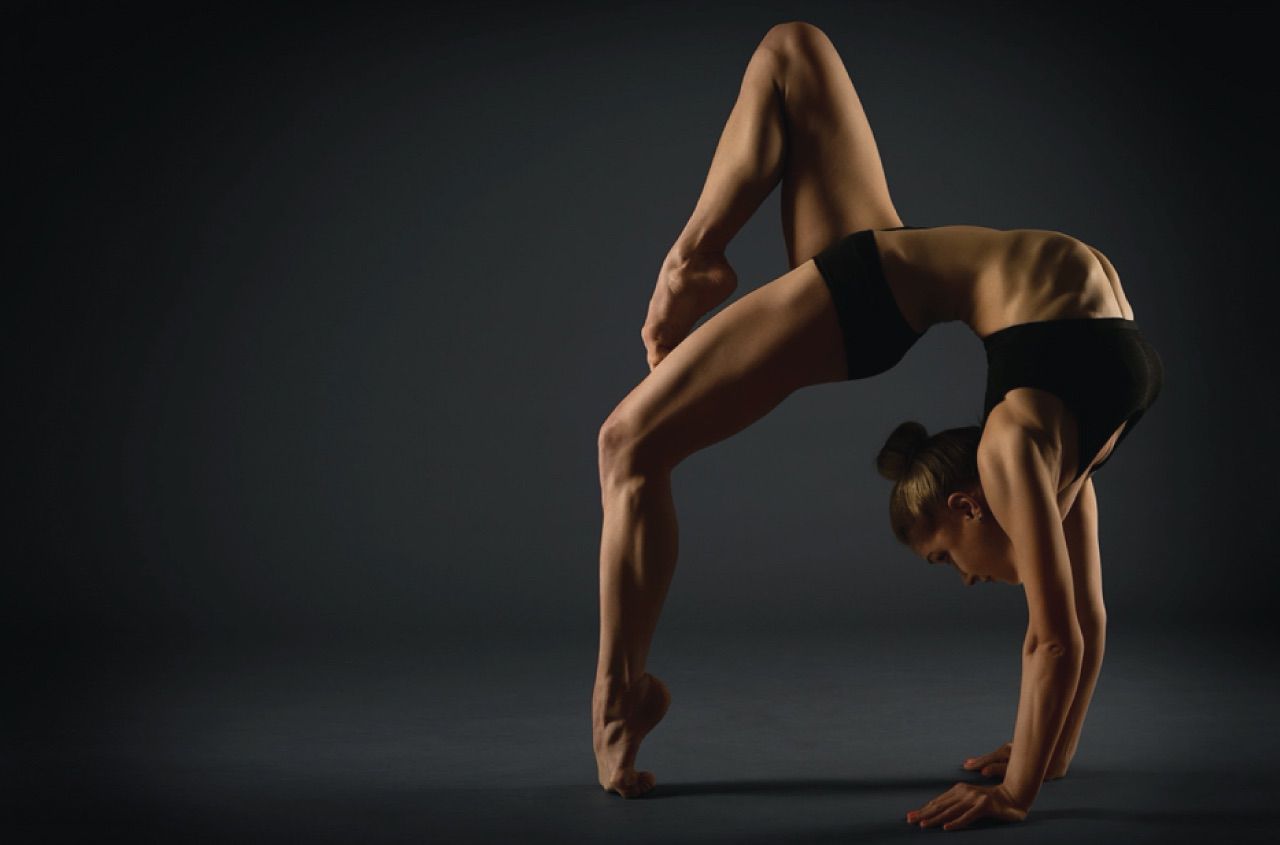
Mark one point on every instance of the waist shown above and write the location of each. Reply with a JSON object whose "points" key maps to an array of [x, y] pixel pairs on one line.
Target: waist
{"points": [[1061, 326]]}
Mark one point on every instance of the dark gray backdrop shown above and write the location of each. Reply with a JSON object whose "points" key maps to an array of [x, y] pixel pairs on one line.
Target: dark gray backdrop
{"points": [[314, 312]]}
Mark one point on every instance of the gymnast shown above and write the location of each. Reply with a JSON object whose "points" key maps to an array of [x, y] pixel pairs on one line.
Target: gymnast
{"points": [[1069, 374]]}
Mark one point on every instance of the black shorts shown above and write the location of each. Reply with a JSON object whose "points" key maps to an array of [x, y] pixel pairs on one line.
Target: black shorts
{"points": [[876, 335], [1102, 368]]}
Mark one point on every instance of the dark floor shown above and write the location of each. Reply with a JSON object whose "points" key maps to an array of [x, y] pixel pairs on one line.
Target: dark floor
{"points": [[769, 739]]}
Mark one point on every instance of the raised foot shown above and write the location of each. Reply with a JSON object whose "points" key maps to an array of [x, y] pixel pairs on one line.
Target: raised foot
{"points": [[705, 278], [618, 727], [689, 285]]}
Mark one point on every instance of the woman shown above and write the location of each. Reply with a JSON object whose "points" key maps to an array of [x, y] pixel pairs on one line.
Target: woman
{"points": [[1070, 374]]}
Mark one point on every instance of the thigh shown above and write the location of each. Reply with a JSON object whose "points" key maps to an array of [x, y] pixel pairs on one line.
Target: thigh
{"points": [[733, 369], [833, 181]]}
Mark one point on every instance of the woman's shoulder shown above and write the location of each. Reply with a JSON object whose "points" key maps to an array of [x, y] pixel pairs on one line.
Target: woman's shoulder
{"points": [[1029, 426]]}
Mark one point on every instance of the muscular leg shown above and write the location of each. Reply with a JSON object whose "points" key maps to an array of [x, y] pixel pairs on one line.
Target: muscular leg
{"points": [[796, 118], [729, 372], [833, 182]]}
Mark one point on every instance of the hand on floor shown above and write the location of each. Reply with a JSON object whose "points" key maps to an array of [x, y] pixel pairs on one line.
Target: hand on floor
{"points": [[965, 803], [993, 764], [997, 762]]}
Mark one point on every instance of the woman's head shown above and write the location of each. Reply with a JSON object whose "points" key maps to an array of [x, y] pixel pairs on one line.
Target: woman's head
{"points": [[937, 507]]}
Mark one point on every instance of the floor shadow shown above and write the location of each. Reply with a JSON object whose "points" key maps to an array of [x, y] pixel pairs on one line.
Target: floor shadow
{"points": [[1230, 818], [853, 832], [814, 786]]}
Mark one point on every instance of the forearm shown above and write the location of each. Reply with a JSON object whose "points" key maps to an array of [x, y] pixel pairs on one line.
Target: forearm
{"points": [[1091, 666], [1050, 675]]}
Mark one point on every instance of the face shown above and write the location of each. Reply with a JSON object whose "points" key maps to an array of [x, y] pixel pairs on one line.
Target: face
{"points": [[978, 549]]}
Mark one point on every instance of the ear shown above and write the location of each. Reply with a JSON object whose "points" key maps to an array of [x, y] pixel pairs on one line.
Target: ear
{"points": [[964, 503], [980, 502], [969, 503]]}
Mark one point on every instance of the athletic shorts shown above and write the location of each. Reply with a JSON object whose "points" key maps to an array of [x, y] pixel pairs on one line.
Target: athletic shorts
{"points": [[876, 335]]}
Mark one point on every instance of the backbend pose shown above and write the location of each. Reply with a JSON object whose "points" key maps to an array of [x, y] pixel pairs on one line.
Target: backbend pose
{"points": [[1069, 374]]}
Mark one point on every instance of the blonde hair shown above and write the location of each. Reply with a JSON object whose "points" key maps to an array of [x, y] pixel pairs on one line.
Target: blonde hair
{"points": [[925, 470]]}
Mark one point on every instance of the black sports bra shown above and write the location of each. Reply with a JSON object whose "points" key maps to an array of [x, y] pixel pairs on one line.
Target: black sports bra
{"points": [[1102, 368]]}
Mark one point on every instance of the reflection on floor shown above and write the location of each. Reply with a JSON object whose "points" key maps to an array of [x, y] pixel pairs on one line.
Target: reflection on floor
{"points": [[769, 739]]}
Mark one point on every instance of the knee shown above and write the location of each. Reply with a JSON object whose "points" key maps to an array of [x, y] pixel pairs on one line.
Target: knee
{"points": [[795, 39], [623, 449]]}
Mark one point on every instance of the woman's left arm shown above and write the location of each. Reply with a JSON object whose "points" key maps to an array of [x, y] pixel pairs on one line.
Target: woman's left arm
{"points": [[1022, 477], [1081, 530], [1019, 481]]}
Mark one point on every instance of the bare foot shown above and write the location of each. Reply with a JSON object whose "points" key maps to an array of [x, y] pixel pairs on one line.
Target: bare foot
{"points": [[689, 285], [617, 728]]}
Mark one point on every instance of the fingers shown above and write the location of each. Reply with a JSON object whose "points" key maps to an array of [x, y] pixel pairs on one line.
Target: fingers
{"points": [[945, 812], [994, 769], [965, 819], [935, 806], [1000, 755]]}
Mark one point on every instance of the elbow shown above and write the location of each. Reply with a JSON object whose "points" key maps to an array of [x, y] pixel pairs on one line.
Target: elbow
{"points": [[1059, 657], [1094, 629], [1064, 646], [1064, 651]]}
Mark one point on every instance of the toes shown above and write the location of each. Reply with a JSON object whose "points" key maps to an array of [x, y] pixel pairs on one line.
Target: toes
{"points": [[635, 786]]}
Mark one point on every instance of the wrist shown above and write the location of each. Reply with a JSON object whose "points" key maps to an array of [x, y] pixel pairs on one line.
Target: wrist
{"points": [[1021, 796], [1021, 802], [1063, 754]]}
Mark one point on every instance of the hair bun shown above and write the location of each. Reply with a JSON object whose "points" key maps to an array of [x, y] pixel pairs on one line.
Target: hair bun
{"points": [[900, 450]]}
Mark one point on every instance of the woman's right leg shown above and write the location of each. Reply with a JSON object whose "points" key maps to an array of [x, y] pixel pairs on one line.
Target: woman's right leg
{"points": [[798, 120], [729, 372]]}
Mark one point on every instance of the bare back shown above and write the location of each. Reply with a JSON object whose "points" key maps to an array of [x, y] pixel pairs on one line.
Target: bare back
{"points": [[998, 278], [1010, 276]]}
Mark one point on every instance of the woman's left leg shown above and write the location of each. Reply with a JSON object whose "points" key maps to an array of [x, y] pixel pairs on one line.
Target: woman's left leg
{"points": [[728, 373]]}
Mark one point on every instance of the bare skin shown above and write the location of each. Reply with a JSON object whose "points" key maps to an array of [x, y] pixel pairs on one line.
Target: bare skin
{"points": [[970, 537], [797, 120]]}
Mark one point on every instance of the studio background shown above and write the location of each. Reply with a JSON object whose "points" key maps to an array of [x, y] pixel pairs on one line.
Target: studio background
{"points": [[315, 310]]}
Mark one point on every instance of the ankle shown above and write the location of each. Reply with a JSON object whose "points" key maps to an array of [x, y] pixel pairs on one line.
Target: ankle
{"points": [[689, 250], [615, 688]]}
